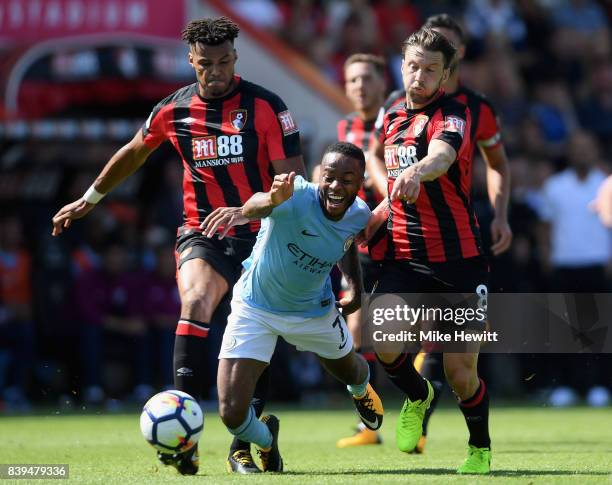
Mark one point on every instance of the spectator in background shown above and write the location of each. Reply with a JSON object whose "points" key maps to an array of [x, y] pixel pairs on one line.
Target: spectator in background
{"points": [[575, 250], [16, 327], [110, 307], [577, 246]]}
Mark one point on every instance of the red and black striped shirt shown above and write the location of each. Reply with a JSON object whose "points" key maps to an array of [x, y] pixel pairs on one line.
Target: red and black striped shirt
{"points": [[441, 225], [226, 144], [485, 131], [356, 130]]}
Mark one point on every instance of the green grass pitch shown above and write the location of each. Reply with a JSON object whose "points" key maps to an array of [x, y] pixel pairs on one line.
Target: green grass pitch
{"points": [[530, 445]]}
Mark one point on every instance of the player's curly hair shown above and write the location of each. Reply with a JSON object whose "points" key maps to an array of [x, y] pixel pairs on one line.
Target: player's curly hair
{"points": [[210, 31], [347, 149], [432, 41]]}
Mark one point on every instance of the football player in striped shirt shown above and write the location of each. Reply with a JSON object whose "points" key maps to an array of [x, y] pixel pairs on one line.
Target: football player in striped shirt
{"points": [[486, 135], [232, 136], [435, 243]]}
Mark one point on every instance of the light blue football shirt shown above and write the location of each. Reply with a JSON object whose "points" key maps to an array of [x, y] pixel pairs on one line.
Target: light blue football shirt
{"points": [[297, 247]]}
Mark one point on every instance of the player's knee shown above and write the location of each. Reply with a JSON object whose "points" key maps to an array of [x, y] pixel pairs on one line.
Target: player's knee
{"points": [[197, 304]]}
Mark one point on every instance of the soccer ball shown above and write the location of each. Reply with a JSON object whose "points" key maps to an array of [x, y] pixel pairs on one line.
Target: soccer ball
{"points": [[172, 421]]}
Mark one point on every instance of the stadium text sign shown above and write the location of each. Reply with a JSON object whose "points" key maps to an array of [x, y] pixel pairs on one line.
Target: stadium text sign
{"points": [[25, 21]]}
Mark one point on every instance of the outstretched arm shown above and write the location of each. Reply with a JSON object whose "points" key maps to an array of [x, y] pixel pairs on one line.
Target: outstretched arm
{"points": [[379, 215], [261, 204], [222, 219], [122, 164], [440, 156]]}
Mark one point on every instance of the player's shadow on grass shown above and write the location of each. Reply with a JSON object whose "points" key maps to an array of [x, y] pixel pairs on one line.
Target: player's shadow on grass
{"points": [[550, 452], [553, 444], [450, 471], [520, 473]]}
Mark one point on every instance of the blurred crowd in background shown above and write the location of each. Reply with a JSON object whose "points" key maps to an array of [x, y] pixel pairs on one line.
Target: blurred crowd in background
{"points": [[90, 317]]}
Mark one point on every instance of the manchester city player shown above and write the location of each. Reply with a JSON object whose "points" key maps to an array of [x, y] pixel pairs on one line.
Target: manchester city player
{"points": [[286, 291]]}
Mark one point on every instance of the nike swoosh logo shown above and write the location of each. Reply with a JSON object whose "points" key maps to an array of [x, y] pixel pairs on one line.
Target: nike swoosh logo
{"points": [[372, 424], [306, 233]]}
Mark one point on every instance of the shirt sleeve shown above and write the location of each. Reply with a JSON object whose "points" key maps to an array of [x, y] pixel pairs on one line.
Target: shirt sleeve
{"points": [[489, 133], [282, 134], [450, 127], [366, 214], [154, 129], [288, 208]]}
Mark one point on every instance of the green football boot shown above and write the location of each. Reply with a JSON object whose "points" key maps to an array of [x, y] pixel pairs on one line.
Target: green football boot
{"points": [[478, 461], [410, 423]]}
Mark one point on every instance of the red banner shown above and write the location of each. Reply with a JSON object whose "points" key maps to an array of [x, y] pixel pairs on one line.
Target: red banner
{"points": [[27, 21]]}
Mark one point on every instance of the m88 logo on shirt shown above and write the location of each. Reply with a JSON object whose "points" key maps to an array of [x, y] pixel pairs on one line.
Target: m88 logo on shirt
{"points": [[212, 147], [399, 157]]}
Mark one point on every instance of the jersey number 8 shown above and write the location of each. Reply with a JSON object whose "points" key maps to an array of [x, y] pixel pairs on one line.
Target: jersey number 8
{"points": [[229, 145]]}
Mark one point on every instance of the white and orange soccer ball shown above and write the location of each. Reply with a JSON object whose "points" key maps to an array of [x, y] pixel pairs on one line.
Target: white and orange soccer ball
{"points": [[172, 421]]}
